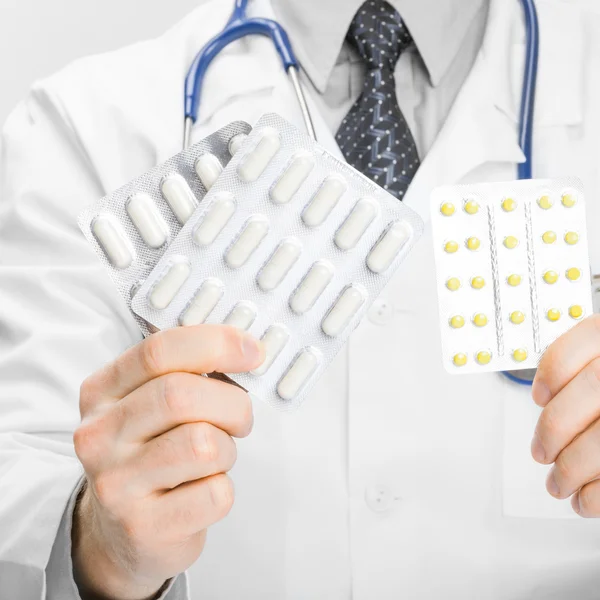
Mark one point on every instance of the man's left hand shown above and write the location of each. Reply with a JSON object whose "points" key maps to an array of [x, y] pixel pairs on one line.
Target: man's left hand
{"points": [[567, 387]]}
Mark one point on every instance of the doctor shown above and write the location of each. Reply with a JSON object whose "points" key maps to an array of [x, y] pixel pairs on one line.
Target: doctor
{"points": [[394, 480]]}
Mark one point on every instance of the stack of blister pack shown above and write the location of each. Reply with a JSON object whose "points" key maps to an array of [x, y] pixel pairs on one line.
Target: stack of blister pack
{"points": [[263, 230]]}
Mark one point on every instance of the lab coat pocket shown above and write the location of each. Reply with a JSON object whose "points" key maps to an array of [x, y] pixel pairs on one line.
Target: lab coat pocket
{"points": [[524, 480]]}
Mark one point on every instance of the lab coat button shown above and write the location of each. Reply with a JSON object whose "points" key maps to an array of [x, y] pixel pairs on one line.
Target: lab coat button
{"points": [[379, 498], [381, 311]]}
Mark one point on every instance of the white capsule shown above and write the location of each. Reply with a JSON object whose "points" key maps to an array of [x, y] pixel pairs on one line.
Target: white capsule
{"points": [[277, 267], [388, 246], [166, 288], [241, 316], [292, 178], [311, 287], [256, 161], [215, 219], [247, 242], [274, 341], [179, 197], [144, 214], [356, 224], [203, 303], [113, 241], [324, 201], [341, 313], [208, 168], [303, 367], [236, 142]]}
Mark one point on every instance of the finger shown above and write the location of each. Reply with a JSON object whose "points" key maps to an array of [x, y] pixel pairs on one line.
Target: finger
{"points": [[570, 412], [177, 398], [586, 502], [194, 506], [186, 453], [198, 349], [576, 465], [565, 358]]}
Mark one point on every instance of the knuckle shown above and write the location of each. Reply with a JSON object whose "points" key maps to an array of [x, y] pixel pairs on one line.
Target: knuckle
{"points": [[588, 504], [87, 394], [204, 443], [552, 362], [222, 494], [86, 388], [226, 342], [550, 426], [93, 438], [107, 490], [593, 375], [176, 394], [152, 354], [169, 450], [232, 338], [81, 443], [86, 441]]}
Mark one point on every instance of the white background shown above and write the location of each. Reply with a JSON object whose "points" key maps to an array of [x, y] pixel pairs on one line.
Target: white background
{"points": [[38, 37]]}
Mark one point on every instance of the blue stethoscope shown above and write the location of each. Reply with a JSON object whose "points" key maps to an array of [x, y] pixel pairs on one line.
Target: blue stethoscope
{"points": [[240, 25]]}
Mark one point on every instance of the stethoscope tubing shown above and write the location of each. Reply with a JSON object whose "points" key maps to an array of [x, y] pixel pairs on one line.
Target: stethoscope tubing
{"points": [[239, 26]]}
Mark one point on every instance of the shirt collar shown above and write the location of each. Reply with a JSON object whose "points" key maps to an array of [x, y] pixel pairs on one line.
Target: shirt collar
{"points": [[317, 29]]}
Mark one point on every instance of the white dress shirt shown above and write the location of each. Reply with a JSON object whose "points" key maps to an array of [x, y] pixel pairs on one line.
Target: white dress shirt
{"points": [[447, 36]]}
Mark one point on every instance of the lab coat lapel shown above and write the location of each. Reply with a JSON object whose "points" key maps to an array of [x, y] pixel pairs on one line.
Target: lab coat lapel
{"points": [[476, 131]]}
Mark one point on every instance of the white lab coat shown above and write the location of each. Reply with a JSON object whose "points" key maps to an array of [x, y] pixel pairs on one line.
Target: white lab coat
{"points": [[394, 480]]}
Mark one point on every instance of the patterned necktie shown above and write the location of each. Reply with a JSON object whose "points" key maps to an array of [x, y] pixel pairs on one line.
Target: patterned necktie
{"points": [[374, 137]]}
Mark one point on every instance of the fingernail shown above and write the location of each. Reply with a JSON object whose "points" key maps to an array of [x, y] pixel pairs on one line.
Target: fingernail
{"points": [[575, 503], [551, 484], [251, 348], [540, 392], [537, 449]]}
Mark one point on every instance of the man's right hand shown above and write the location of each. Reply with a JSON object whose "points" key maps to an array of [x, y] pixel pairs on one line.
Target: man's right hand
{"points": [[155, 442]]}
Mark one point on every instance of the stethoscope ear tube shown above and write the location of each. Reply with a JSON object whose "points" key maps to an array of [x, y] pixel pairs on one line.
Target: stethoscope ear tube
{"points": [[239, 26], [293, 74]]}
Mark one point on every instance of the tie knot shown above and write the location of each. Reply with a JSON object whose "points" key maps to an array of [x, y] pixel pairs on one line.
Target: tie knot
{"points": [[379, 34]]}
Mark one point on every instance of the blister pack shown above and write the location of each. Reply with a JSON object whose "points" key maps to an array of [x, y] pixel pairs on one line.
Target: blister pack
{"points": [[290, 244], [513, 270], [130, 228]]}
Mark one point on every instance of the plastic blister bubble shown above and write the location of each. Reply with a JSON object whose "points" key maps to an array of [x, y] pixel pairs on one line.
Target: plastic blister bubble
{"points": [[158, 201]]}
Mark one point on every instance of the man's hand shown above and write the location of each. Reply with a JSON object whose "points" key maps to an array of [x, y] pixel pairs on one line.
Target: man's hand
{"points": [[567, 386], [155, 442]]}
